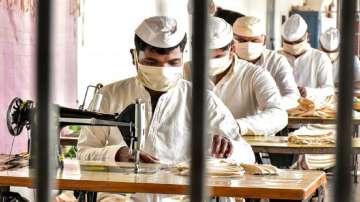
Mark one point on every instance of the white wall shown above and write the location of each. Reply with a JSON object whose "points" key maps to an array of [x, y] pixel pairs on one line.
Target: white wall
{"points": [[108, 31], [107, 35]]}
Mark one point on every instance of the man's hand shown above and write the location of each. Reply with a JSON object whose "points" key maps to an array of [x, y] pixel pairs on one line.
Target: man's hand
{"points": [[302, 91], [221, 147], [123, 155]]}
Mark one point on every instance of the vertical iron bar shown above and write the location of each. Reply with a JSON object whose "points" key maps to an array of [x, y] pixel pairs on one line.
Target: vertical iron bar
{"points": [[199, 68], [344, 117], [44, 150]]}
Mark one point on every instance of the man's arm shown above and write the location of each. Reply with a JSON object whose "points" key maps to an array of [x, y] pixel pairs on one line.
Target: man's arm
{"points": [[271, 118], [222, 123], [286, 83], [325, 80]]}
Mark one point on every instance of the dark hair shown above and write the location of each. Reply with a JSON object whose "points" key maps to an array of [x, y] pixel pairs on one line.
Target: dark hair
{"points": [[142, 45]]}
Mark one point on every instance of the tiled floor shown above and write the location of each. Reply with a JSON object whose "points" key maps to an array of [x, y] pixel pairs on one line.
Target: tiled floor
{"points": [[330, 191]]}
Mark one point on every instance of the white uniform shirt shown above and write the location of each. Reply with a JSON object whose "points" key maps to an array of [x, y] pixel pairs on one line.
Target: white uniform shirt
{"points": [[252, 96], [313, 70], [356, 70], [168, 133], [282, 72]]}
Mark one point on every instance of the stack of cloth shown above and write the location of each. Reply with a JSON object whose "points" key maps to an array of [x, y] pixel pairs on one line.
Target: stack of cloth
{"points": [[323, 108], [314, 135], [223, 167], [13, 161]]}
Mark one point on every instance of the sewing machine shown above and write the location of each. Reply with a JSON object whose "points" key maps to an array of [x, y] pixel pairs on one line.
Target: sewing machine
{"points": [[22, 114]]}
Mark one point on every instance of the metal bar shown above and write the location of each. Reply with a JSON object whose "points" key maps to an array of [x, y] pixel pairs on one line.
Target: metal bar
{"points": [[344, 116], [43, 155], [199, 63], [270, 24], [92, 121]]}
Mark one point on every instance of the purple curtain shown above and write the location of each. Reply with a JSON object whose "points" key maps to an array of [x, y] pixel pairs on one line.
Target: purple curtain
{"points": [[17, 60]]}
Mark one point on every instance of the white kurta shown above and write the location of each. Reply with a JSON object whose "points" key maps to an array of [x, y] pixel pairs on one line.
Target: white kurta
{"points": [[356, 70], [168, 133], [282, 72], [252, 96], [313, 70]]}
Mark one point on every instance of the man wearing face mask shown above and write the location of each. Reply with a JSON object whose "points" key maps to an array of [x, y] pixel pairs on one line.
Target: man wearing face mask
{"points": [[329, 43], [249, 45], [312, 68], [247, 90], [160, 43]]}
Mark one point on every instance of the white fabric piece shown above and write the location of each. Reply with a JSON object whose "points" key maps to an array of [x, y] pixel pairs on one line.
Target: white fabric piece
{"points": [[161, 31], [220, 33], [294, 28], [252, 96], [313, 70], [330, 39], [248, 26], [282, 72], [249, 51], [356, 70], [168, 129]]}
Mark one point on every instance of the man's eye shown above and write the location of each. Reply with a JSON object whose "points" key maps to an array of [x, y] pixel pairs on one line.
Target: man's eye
{"points": [[175, 63], [149, 62]]}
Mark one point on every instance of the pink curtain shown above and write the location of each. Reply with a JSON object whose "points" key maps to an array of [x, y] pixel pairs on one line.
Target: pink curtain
{"points": [[17, 60]]}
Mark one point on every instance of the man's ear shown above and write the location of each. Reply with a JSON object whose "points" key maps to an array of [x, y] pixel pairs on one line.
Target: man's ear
{"points": [[133, 52], [308, 36], [232, 47], [265, 38]]}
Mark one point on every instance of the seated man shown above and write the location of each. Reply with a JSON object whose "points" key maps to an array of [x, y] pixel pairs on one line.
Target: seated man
{"points": [[312, 68], [249, 42], [248, 91], [159, 43], [329, 43]]}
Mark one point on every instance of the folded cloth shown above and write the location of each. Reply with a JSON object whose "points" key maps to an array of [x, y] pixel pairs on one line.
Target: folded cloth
{"points": [[13, 161], [324, 108], [260, 169], [215, 167], [312, 134]]}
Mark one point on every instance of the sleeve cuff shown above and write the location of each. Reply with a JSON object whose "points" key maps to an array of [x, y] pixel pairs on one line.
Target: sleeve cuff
{"points": [[111, 152]]}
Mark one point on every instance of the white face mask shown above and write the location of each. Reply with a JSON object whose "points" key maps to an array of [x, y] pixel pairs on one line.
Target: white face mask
{"points": [[219, 65], [158, 78], [248, 50], [296, 49]]}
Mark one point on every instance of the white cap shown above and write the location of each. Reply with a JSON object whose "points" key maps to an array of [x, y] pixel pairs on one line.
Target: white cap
{"points": [[330, 39], [248, 26], [220, 33], [294, 28], [161, 32], [190, 6]]}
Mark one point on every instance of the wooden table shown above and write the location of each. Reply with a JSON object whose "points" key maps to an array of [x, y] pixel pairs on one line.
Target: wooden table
{"points": [[289, 184], [280, 145], [317, 120]]}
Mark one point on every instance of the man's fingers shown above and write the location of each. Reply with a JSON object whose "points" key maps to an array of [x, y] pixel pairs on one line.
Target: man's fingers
{"points": [[147, 158], [223, 148], [229, 150], [216, 145]]}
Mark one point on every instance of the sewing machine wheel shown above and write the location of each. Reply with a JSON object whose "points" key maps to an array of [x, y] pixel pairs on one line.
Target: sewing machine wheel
{"points": [[17, 116]]}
